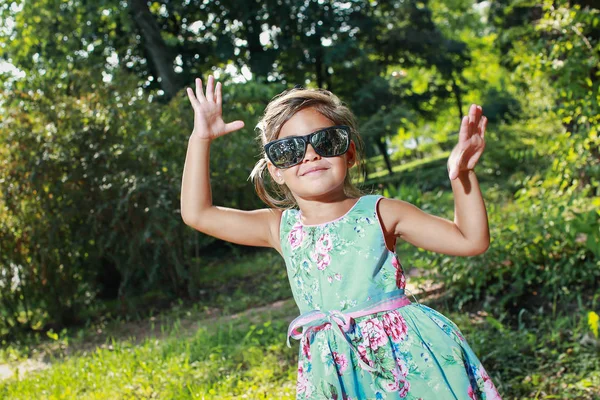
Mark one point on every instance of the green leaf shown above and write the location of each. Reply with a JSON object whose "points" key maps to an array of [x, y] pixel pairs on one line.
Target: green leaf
{"points": [[495, 323], [593, 322]]}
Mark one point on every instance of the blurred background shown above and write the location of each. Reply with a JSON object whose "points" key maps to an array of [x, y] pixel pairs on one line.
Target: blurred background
{"points": [[94, 120]]}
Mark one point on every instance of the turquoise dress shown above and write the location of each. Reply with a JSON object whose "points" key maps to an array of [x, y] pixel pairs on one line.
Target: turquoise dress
{"points": [[339, 269]]}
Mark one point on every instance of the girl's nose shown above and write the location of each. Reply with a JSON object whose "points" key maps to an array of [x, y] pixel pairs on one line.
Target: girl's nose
{"points": [[311, 154]]}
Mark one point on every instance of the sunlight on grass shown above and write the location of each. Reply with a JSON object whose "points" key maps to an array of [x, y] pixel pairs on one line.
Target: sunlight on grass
{"points": [[245, 356], [408, 166]]}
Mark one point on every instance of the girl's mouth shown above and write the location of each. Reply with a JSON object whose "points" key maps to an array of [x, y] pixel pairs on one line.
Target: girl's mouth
{"points": [[313, 171]]}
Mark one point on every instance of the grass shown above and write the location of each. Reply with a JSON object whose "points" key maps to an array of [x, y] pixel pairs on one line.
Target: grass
{"points": [[411, 165], [537, 356], [244, 356], [223, 358]]}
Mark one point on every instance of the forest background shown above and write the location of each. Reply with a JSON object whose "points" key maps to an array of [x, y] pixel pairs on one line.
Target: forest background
{"points": [[100, 278]]}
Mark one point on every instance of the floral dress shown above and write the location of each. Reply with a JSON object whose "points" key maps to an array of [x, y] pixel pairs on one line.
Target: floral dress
{"points": [[410, 352]]}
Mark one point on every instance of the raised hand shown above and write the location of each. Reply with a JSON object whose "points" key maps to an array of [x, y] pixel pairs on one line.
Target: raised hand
{"points": [[470, 145], [208, 119]]}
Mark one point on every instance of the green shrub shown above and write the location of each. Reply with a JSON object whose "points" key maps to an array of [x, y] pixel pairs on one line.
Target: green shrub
{"points": [[89, 203]]}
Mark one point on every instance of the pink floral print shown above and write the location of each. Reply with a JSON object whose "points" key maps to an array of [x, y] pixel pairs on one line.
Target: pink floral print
{"points": [[395, 326], [373, 332], [296, 236], [324, 244], [322, 260], [488, 387], [341, 361]]}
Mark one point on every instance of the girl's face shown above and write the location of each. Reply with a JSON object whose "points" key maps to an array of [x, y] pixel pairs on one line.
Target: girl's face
{"points": [[315, 177]]}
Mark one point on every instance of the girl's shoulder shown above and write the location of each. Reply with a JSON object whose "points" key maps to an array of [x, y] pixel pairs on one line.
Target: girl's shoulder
{"points": [[369, 201], [288, 215]]}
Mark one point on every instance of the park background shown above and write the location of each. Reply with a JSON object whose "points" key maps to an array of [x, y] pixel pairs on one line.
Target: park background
{"points": [[106, 294]]}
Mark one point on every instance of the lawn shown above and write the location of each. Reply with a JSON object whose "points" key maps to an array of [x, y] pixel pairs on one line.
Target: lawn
{"points": [[212, 349]]}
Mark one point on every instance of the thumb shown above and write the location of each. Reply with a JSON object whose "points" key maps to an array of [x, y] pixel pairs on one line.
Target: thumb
{"points": [[450, 172], [233, 126]]}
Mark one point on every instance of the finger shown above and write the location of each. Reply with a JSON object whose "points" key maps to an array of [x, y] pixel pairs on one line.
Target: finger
{"points": [[483, 126], [472, 113], [193, 99], [452, 173], [199, 92], [210, 94], [218, 94], [474, 159], [473, 121], [463, 135], [477, 113], [233, 126]]}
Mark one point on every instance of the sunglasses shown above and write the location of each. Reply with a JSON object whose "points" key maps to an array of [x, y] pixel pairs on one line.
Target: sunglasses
{"points": [[327, 142]]}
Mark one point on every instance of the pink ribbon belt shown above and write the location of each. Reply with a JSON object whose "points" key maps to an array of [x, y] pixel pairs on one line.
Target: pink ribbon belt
{"points": [[341, 321]]}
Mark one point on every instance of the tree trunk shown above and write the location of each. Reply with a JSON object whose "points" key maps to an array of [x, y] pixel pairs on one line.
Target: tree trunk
{"points": [[260, 60], [160, 54], [328, 79], [319, 68], [365, 171], [457, 94], [382, 146]]}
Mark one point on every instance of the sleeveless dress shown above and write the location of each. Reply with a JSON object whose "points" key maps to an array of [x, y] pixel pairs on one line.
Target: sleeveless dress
{"points": [[339, 269]]}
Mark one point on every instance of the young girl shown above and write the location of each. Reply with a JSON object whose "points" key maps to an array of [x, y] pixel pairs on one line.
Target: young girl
{"points": [[360, 336]]}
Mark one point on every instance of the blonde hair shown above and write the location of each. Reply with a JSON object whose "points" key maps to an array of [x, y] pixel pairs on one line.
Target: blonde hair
{"points": [[279, 110]]}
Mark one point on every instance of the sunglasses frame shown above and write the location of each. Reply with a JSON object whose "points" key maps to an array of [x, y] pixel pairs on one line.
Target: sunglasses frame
{"points": [[306, 139]]}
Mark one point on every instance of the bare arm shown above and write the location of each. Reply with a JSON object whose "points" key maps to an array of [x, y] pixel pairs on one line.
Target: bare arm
{"points": [[469, 234], [251, 228]]}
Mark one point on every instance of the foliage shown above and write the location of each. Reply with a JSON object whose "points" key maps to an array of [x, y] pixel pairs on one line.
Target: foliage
{"points": [[552, 260], [89, 199], [544, 237], [544, 154], [91, 159], [540, 354]]}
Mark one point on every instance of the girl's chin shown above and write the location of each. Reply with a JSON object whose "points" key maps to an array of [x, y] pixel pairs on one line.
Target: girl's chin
{"points": [[314, 191]]}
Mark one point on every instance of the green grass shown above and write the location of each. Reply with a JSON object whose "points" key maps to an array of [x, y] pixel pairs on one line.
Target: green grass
{"points": [[377, 175], [237, 283], [244, 356], [223, 358]]}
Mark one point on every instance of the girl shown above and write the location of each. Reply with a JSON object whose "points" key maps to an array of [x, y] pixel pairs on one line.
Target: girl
{"points": [[360, 336]]}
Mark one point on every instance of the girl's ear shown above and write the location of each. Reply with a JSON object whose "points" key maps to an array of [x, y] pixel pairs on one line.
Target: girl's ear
{"points": [[275, 173], [351, 154]]}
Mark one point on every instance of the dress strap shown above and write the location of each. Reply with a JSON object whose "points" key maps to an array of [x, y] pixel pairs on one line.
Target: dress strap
{"points": [[284, 223], [369, 201]]}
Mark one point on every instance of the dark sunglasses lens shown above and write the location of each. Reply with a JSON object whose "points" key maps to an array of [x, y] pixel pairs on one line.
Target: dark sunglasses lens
{"points": [[331, 142], [287, 152]]}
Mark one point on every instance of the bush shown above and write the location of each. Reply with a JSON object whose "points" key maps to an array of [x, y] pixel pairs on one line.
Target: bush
{"points": [[90, 196]]}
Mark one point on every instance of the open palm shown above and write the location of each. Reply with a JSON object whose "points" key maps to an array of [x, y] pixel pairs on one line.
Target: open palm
{"points": [[208, 119], [471, 142]]}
